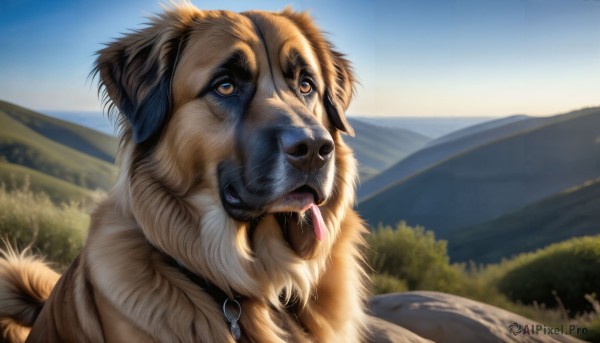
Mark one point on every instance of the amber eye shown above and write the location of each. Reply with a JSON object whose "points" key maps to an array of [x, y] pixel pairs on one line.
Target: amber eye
{"points": [[225, 88], [305, 87]]}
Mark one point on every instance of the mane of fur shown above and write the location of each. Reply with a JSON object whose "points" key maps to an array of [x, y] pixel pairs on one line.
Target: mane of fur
{"points": [[207, 241], [25, 283]]}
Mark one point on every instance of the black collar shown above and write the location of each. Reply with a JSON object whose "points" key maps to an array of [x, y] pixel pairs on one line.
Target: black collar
{"points": [[218, 295], [221, 298]]}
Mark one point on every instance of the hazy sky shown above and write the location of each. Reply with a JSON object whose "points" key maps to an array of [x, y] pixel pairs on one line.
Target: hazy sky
{"points": [[412, 58]]}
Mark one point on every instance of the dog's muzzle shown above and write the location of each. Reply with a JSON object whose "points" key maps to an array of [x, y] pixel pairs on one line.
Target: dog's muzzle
{"points": [[290, 179]]}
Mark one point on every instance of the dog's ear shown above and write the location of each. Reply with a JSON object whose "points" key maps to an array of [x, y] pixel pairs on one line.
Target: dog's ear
{"points": [[339, 93], [339, 78], [135, 75]]}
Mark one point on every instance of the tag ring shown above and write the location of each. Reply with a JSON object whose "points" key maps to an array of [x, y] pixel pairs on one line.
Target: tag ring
{"points": [[227, 315]]}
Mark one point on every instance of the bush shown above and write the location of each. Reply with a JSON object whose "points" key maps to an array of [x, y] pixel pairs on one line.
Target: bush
{"points": [[558, 275], [383, 283], [410, 258], [56, 231], [412, 255]]}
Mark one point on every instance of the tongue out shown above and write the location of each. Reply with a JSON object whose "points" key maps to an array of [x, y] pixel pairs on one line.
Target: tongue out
{"points": [[317, 222], [304, 231], [301, 220]]}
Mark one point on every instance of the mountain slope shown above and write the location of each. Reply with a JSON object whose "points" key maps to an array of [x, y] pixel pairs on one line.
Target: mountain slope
{"points": [[494, 178], [376, 147], [448, 148], [572, 213], [77, 137], [472, 130], [21, 145], [433, 127], [59, 191]]}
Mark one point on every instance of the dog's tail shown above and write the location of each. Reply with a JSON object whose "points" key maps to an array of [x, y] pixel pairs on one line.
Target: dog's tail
{"points": [[25, 284]]}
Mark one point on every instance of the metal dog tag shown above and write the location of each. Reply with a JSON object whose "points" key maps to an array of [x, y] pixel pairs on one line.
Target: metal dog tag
{"points": [[232, 318], [236, 331]]}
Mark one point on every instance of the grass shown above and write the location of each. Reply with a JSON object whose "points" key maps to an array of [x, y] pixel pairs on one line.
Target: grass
{"points": [[32, 219]]}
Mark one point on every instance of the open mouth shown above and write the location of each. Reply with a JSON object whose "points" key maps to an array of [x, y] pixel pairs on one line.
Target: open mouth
{"points": [[300, 220], [299, 205], [297, 213], [299, 200]]}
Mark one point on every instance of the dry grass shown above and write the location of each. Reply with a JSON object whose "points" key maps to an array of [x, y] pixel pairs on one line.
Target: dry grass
{"points": [[56, 231]]}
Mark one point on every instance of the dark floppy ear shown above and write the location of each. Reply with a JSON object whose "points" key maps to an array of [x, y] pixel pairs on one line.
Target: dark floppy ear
{"points": [[136, 72], [339, 93], [339, 78]]}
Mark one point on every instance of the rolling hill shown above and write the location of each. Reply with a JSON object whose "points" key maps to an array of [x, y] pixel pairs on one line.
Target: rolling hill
{"points": [[474, 129], [452, 145], [433, 127], [493, 178], [59, 191], [572, 213], [80, 138], [50, 150], [376, 147]]}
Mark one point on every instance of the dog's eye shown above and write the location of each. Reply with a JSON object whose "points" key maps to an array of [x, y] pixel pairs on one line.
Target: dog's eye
{"points": [[225, 88], [305, 87]]}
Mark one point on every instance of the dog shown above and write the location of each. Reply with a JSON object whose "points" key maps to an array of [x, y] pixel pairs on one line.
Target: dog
{"points": [[231, 218]]}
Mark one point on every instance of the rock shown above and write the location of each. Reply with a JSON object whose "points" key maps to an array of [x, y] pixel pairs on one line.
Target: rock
{"points": [[446, 318], [386, 332]]}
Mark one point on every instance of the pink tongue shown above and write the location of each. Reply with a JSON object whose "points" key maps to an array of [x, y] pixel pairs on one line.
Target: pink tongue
{"points": [[318, 223]]}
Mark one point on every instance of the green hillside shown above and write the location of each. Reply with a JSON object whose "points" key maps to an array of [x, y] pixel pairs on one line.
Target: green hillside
{"points": [[572, 213], [80, 138], [496, 178], [377, 148], [23, 146], [14, 176]]}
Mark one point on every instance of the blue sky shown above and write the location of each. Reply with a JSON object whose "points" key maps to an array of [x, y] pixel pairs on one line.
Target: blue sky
{"points": [[412, 57]]}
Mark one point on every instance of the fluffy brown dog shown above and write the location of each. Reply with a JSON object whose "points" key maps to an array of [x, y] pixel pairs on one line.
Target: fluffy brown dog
{"points": [[234, 197]]}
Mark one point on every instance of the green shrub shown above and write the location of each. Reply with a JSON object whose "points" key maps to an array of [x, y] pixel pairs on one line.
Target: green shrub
{"points": [[383, 283], [412, 255], [560, 273], [55, 231], [411, 259]]}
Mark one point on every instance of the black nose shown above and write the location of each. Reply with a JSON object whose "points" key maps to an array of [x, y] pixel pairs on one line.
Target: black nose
{"points": [[307, 149]]}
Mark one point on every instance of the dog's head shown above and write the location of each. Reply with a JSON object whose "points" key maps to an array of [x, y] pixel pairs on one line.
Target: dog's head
{"points": [[231, 140]]}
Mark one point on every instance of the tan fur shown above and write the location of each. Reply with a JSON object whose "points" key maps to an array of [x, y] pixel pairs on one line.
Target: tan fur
{"points": [[25, 284], [166, 204]]}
